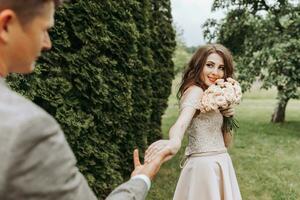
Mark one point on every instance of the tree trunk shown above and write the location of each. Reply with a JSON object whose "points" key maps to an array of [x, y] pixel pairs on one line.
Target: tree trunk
{"points": [[279, 113]]}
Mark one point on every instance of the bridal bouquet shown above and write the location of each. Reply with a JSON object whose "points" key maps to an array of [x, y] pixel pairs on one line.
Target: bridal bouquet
{"points": [[220, 96]]}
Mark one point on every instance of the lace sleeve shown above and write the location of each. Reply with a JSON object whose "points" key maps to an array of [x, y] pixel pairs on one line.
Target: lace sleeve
{"points": [[191, 98]]}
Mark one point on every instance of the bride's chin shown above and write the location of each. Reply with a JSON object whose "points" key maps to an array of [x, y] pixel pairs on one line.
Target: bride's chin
{"points": [[208, 83]]}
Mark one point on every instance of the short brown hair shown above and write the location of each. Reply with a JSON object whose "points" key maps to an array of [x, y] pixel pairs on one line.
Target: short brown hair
{"points": [[26, 10]]}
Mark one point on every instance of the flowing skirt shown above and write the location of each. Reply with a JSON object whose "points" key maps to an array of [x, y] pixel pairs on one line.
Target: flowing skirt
{"points": [[210, 177]]}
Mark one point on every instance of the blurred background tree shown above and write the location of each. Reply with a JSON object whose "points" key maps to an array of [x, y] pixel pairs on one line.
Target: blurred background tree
{"points": [[182, 53], [264, 38]]}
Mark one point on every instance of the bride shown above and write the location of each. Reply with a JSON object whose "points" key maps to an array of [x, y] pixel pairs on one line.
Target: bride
{"points": [[207, 173]]}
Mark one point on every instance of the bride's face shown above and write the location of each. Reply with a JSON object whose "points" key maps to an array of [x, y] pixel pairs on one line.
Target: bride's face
{"points": [[213, 69]]}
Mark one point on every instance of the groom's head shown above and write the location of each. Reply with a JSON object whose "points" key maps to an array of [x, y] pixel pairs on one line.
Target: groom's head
{"points": [[24, 26]]}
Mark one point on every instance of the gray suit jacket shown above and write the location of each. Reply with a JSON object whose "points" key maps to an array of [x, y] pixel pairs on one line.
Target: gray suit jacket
{"points": [[36, 160]]}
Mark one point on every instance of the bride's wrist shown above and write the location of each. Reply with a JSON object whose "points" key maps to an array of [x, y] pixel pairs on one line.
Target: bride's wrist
{"points": [[176, 142]]}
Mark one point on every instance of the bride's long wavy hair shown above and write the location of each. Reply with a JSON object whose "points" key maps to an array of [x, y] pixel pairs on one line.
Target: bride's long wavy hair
{"points": [[194, 68]]}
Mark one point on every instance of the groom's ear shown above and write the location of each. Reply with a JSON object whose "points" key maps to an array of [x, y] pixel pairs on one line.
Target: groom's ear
{"points": [[8, 19]]}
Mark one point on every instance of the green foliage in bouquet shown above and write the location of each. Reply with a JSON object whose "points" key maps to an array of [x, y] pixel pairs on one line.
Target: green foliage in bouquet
{"points": [[230, 124], [106, 81]]}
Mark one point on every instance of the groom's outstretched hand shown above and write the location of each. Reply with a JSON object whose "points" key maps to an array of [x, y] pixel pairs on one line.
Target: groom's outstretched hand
{"points": [[149, 169]]}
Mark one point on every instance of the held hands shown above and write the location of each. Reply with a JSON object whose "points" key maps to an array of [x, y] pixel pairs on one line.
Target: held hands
{"points": [[155, 149], [149, 169], [228, 112]]}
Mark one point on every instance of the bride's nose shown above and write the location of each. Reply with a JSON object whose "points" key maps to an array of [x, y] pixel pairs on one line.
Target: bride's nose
{"points": [[215, 71]]}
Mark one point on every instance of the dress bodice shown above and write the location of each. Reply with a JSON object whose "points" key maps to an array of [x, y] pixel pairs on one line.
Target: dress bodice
{"points": [[204, 133], [205, 130]]}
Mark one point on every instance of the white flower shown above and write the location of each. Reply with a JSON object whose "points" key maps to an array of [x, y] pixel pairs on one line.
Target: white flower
{"points": [[221, 95], [238, 93], [231, 80], [218, 91], [204, 103], [228, 85], [211, 105], [211, 89], [221, 101], [220, 82], [229, 94]]}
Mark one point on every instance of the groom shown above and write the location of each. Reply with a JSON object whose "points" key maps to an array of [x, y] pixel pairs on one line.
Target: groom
{"points": [[36, 160]]}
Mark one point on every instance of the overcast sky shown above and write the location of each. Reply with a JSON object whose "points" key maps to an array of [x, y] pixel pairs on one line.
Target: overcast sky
{"points": [[189, 15]]}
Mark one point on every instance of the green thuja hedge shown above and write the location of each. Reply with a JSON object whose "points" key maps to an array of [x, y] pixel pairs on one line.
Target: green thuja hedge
{"points": [[162, 45], [106, 81]]}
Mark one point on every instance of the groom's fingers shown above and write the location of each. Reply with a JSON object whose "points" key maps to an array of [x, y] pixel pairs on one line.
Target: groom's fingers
{"points": [[136, 159]]}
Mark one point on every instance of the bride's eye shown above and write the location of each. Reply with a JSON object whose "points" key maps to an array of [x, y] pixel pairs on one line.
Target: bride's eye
{"points": [[209, 65]]}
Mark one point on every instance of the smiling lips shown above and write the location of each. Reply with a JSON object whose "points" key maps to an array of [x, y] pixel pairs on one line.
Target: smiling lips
{"points": [[211, 79]]}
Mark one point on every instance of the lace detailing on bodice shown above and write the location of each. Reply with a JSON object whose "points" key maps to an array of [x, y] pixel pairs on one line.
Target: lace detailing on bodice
{"points": [[205, 133]]}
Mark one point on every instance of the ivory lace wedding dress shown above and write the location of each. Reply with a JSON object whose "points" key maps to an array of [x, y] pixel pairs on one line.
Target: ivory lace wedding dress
{"points": [[207, 173]]}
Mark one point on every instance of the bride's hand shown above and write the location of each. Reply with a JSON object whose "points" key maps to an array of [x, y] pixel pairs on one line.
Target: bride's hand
{"points": [[159, 146], [228, 112]]}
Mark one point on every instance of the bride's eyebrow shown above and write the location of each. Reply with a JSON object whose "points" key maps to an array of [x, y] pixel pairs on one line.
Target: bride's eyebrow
{"points": [[211, 62]]}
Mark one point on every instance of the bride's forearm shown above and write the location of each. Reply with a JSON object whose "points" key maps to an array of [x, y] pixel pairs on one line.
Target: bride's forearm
{"points": [[176, 132]]}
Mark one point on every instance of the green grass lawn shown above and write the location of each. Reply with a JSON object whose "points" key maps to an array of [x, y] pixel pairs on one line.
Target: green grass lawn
{"points": [[266, 156]]}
